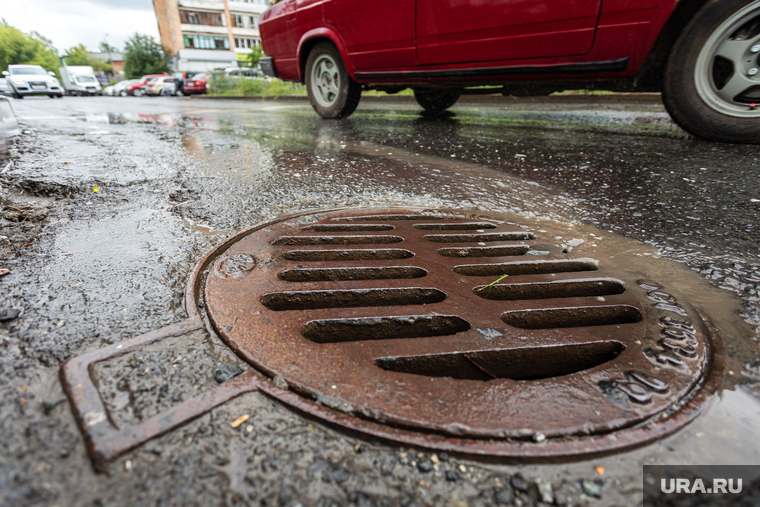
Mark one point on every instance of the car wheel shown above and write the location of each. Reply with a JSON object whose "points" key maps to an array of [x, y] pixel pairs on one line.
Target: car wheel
{"points": [[436, 100], [180, 93], [332, 92], [59, 96], [138, 92], [712, 78]]}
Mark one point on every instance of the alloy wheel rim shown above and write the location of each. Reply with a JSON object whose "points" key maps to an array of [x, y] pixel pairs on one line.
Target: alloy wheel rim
{"points": [[720, 47]]}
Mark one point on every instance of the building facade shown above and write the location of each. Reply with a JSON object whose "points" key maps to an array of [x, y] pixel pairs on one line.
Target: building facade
{"points": [[202, 35]]}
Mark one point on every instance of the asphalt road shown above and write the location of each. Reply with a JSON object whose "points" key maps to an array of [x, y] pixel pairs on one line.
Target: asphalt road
{"points": [[110, 202]]}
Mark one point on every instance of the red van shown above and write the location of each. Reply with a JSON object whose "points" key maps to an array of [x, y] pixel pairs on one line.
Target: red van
{"points": [[703, 55]]}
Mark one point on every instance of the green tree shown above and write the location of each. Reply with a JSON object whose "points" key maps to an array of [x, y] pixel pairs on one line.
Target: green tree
{"points": [[30, 49], [78, 55], [254, 56], [107, 48], [143, 55]]}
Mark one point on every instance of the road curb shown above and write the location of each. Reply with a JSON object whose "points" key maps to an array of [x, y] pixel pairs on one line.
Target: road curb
{"points": [[608, 98]]}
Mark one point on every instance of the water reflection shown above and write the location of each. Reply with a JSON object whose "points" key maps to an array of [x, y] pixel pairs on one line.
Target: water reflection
{"points": [[8, 129]]}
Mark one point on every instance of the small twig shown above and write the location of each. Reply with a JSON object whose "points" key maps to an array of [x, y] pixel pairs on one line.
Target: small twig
{"points": [[17, 209]]}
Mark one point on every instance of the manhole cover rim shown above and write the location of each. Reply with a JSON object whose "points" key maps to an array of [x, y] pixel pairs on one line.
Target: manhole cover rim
{"points": [[617, 439]]}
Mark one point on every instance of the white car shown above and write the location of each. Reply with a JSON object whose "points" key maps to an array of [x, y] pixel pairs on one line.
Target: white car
{"points": [[119, 89], [155, 87], [27, 80]]}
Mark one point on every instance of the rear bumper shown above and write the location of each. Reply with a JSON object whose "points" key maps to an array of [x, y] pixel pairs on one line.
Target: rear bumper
{"points": [[267, 66]]}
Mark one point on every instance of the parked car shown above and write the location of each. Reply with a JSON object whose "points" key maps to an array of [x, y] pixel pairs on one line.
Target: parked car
{"points": [[243, 72], [155, 86], [25, 80], [121, 87], [138, 89], [5, 88], [80, 80], [701, 54], [196, 84]]}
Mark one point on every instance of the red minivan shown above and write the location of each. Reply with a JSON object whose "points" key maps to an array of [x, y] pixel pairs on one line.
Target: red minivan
{"points": [[703, 55]]}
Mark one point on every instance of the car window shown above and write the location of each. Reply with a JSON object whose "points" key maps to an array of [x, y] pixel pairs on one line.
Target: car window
{"points": [[29, 70], [151, 80], [199, 77], [85, 79]]}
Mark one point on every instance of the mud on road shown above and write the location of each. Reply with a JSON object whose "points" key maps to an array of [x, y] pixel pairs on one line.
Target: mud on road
{"points": [[106, 213]]}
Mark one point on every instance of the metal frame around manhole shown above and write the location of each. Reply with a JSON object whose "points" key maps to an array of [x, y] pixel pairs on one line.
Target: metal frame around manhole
{"points": [[237, 260]]}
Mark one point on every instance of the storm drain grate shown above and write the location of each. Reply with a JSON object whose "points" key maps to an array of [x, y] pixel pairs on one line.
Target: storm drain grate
{"points": [[457, 337]]}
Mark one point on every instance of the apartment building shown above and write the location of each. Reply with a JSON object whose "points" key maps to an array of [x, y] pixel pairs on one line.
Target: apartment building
{"points": [[201, 35]]}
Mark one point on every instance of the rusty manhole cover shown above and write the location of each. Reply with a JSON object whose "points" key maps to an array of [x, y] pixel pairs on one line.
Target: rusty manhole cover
{"points": [[402, 325]]}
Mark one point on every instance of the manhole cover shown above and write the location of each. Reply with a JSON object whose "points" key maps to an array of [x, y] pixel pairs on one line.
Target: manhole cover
{"points": [[458, 331]]}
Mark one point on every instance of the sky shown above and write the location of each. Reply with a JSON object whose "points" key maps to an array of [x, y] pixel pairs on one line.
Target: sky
{"points": [[71, 22]]}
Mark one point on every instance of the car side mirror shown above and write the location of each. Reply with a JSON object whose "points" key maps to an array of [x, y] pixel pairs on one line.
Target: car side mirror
{"points": [[6, 73], [51, 73]]}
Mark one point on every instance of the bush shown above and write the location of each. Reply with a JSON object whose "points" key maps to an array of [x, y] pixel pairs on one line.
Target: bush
{"points": [[220, 84]]}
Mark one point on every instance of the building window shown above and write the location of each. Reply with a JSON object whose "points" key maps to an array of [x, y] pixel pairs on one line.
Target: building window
{"points": [[246, 42], [206, 42], [254, 22], [201, 18], [237, 20]]}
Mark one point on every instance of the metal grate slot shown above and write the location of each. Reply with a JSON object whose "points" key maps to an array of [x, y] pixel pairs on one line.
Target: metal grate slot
{"points": [[479, 238], [528, 267], [383, 328], [375, 218], [348, 227], [337, 240], [532, 363], [347, 255], [484, 251], [313, 299], [361, 273], [547, 290], [455, 227], [572, 317]]}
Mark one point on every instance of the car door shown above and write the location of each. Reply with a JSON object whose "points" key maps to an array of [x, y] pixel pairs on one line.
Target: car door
{"points": [[376, 33], [459, 31]]}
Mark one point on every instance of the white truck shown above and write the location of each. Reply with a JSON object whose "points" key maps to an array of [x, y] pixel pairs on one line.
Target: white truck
{"points": [[79, 80]]}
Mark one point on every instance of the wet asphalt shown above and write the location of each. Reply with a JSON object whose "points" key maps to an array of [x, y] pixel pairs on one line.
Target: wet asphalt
{"points": [[108, 203]]}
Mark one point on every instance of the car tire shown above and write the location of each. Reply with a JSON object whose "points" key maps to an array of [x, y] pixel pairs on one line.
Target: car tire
{"points": [[138, 92], [709, 85], [436, 100], [59, 96], [123, 93], [332, 92]]}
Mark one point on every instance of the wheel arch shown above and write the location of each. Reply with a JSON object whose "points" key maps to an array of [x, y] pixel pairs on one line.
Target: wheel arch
{"points": [[650, 77], [314, 37]]}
